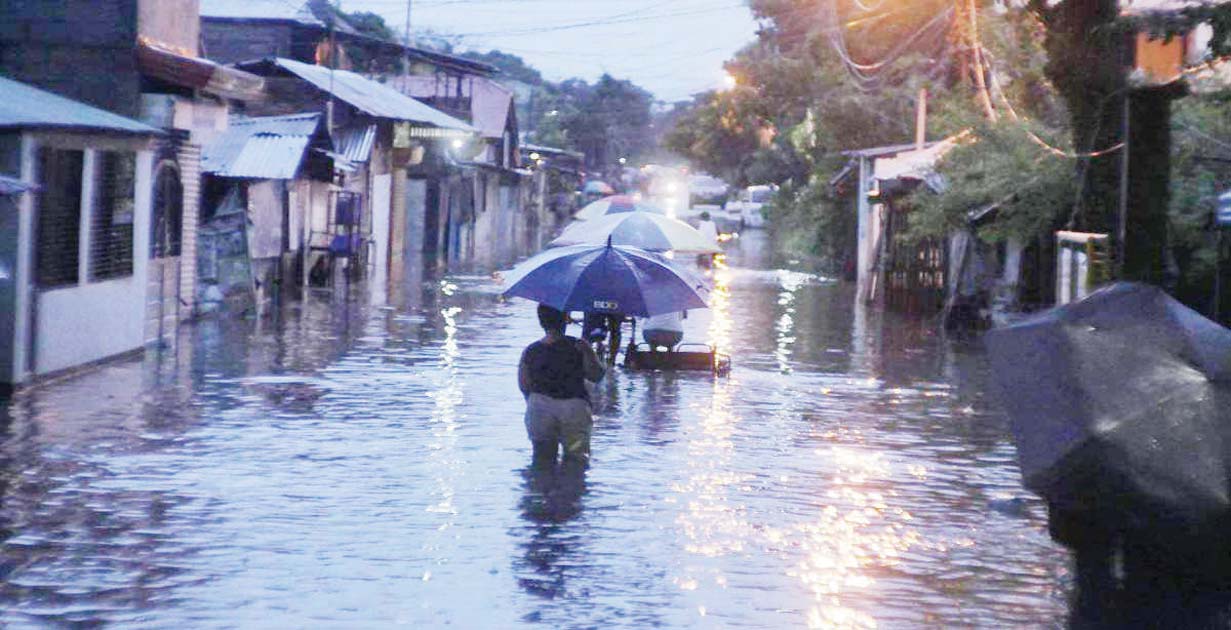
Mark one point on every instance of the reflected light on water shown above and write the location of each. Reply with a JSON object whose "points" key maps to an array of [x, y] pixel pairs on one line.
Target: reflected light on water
{"points": [[713, 522], [447, 397], [785, 326], [718, 335], [855, 535]]}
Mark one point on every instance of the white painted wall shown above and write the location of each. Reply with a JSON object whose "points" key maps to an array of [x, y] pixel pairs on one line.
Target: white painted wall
{"points": [[382, 208], [93, 321]]}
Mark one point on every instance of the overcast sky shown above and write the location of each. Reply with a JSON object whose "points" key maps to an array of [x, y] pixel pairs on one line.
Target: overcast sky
{"points": [[673, 48]]}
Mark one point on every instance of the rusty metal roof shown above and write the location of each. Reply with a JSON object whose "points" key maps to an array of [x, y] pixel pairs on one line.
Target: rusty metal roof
{"points": [[370, 97], [23, 106], [272, 147]]}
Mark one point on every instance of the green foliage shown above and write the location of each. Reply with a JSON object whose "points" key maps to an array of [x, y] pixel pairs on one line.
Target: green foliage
{"points": [[1200, 171], [370, 24], [511, 66], [1002, 166]]}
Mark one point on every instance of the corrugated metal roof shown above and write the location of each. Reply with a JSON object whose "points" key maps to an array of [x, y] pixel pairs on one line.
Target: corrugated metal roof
{"points": [[268, 157], [356, 144], [12, 186], [261, 148], [304, 124], [370, 97], [307, 13], [22, 106]]}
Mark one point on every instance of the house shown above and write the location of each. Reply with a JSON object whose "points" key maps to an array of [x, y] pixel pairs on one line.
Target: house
{"points": [[269, 180], [558, 174], [139, 59], [489, 225], [962, 278], [311, 31], [449, 190], [382, 131], [75, 248]]}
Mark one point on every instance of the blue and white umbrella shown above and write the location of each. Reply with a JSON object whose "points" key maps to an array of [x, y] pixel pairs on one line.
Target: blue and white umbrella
{"points": [[607, 279], [654, 232]]}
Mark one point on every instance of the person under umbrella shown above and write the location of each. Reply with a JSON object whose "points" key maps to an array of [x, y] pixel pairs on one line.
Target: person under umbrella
{"points": [[552, 376], [608, 280]]}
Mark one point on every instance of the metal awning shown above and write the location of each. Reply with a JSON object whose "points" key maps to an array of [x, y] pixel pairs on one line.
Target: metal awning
{"points": [[355, 144], [261, 148], [26, 107]]}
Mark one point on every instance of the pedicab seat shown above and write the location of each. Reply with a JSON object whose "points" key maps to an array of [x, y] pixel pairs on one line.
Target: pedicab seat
{"points": [[686, 356]]}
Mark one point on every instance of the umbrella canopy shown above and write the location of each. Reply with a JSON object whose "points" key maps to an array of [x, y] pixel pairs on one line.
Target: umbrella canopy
{"points": [[597, 187], [1121, 402], [613, 205], [607, 279], [654, 232]]}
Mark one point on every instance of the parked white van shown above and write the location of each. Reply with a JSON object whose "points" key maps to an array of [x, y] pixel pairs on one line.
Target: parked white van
{"points": [[748, 203]]}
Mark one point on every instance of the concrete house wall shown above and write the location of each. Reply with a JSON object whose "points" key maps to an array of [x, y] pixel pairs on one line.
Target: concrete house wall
{"points": [[65, 327]]}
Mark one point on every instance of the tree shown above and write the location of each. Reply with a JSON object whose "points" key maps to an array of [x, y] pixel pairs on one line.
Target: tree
{"points": [[1088, 46], [511, 66]]}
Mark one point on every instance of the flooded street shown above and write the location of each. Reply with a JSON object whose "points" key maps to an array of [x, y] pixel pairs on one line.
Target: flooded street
{"points": [[365, 466]]}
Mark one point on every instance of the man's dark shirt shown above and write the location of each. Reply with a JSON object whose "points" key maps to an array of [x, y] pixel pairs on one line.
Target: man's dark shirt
{"points": [[556, 370]]}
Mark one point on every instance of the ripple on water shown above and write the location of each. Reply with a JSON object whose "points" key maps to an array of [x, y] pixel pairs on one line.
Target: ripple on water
{"points": [[349, 466]]}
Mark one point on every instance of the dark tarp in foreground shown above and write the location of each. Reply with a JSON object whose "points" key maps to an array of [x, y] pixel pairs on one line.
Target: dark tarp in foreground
{"points": [[1121, 403]]}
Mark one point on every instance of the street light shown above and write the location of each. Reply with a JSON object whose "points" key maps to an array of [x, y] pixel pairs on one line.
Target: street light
{"points": [[623, 161]]}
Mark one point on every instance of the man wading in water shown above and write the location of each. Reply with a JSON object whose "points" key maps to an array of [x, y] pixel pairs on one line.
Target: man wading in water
{"points": [[552, 377]]}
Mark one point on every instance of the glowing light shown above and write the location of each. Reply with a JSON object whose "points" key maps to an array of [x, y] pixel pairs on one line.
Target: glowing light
{"points": [[535, 156], [623, 160], [457, 144], [672, 187], [729, 81]]}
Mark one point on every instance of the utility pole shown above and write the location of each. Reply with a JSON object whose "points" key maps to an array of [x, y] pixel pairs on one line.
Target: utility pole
{"points": [[921, 119], [409, 10], [405, 54]]}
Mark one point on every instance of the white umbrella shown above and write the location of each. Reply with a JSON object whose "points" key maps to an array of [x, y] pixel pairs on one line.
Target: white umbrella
{"points": [[654, 232]]}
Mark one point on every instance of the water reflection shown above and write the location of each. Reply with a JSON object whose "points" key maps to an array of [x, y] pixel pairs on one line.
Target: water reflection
{"points": [[552, 497], [358, 465]]}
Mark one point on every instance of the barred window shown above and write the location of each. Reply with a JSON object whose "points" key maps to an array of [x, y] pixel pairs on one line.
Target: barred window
{"points": [[111, 230], [59, 217]]}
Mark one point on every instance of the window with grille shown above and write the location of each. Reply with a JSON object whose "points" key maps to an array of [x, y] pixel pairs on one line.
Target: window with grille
{"points": [[59, 217], [111, 229]]}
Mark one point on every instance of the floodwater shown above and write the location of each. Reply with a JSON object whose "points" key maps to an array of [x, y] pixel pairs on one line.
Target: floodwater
{"points": [[357, 466]]}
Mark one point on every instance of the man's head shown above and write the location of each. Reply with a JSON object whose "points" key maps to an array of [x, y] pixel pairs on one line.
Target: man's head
{"points": [[551, 319], [705, 216]]}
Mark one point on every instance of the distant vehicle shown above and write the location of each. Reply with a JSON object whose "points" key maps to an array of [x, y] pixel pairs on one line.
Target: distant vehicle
{"points": [[707, 189], [667, 188], [748, 205]]}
